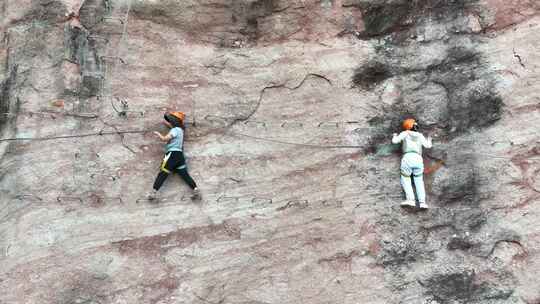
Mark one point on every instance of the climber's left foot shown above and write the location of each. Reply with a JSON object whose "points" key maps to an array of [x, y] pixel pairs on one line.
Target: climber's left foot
{"points": [[152, 195], [407, 204]]}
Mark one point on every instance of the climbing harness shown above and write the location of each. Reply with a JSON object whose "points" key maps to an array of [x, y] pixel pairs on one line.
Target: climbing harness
{"points": [[164, 163], [413, 175]]}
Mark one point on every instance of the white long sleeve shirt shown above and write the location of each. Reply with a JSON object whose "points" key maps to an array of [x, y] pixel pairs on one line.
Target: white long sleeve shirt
{"points": [[412, 141]]}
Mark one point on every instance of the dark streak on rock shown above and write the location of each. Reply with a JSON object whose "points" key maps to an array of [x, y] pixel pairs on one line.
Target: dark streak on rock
{"points": [[155, 244], [463, 287], [371, 74], [93, 12], [5, 95], [391, 17]]}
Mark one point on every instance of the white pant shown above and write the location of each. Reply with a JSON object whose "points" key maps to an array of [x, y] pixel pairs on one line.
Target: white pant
{"points": [[413, 164]]}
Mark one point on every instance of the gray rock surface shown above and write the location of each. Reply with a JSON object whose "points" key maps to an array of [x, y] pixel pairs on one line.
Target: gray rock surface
{"points": [[290, 108]]}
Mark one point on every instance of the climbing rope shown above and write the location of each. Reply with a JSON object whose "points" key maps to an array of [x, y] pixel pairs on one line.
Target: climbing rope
{"points": [[276, 141], [101, 133]]}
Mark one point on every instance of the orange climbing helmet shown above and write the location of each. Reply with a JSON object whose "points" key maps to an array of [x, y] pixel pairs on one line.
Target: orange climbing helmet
{"points": [[175, 118], [408, 124], [179, 115]]}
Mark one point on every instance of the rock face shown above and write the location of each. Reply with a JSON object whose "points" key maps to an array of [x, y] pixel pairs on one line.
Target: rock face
{"points": [[290, 108]]}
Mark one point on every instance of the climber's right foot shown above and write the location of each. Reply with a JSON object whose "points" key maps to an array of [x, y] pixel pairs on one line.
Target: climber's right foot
{"points": [[196, 194], [423, 206]]}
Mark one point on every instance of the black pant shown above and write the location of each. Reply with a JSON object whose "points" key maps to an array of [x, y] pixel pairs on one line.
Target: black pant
{"points": [[175, 163]]}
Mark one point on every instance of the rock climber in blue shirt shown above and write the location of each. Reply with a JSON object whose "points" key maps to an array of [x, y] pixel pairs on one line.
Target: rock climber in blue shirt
{"points": [[174, 160]]}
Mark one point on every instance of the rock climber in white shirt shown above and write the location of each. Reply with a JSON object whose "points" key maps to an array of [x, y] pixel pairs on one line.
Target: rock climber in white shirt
{"points": [[412, 163]]}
